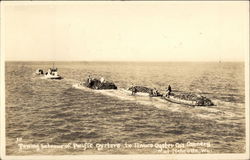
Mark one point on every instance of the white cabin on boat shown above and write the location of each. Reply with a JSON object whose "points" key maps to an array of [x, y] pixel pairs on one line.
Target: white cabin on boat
{"points": [[52, 74]]}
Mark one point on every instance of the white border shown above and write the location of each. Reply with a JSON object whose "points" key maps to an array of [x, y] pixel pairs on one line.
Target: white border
{"points": [[2, 82], [114, 157]]}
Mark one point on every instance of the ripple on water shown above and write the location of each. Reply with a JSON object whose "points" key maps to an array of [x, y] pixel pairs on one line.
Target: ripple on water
{"points": [[44, 111]]}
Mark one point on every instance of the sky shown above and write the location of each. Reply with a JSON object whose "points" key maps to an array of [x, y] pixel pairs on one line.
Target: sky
{"points": [[125, 31]]}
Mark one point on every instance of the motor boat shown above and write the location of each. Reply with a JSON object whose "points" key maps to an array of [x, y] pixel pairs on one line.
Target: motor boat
{"points": [[52, 74]]}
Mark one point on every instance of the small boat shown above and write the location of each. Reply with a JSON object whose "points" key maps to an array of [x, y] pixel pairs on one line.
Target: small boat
{"points": [[94, 83], [141, 90], [189, 99], [52, 74], [180, 101]]}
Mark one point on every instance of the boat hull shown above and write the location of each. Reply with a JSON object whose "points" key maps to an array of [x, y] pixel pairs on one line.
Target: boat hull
{"points": [[144, 94], [53, 77], [179, 101], [202, 101]]}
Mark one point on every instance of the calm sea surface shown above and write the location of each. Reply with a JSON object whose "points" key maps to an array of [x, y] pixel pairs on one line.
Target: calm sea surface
{"points": [[52, 112]]}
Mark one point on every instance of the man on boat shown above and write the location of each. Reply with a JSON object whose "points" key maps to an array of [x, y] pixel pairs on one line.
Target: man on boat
{"points": [[89, 79], [102, 80], [133, 89], [169, 90]]}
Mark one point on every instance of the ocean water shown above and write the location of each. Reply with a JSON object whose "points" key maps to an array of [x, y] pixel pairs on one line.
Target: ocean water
{"points": [[52, 112]]}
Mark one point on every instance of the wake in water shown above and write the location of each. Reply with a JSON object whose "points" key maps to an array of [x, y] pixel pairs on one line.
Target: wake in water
{"points": [[220, 112], [211, 112]]}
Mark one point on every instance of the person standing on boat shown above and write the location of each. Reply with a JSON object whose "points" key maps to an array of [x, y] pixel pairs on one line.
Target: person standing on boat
{"points": [[169, 90], [133, 89], [89, 79], [102, 80]]}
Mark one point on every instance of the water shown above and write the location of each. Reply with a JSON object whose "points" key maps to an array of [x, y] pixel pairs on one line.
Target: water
{"points": [[44, 111]]}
